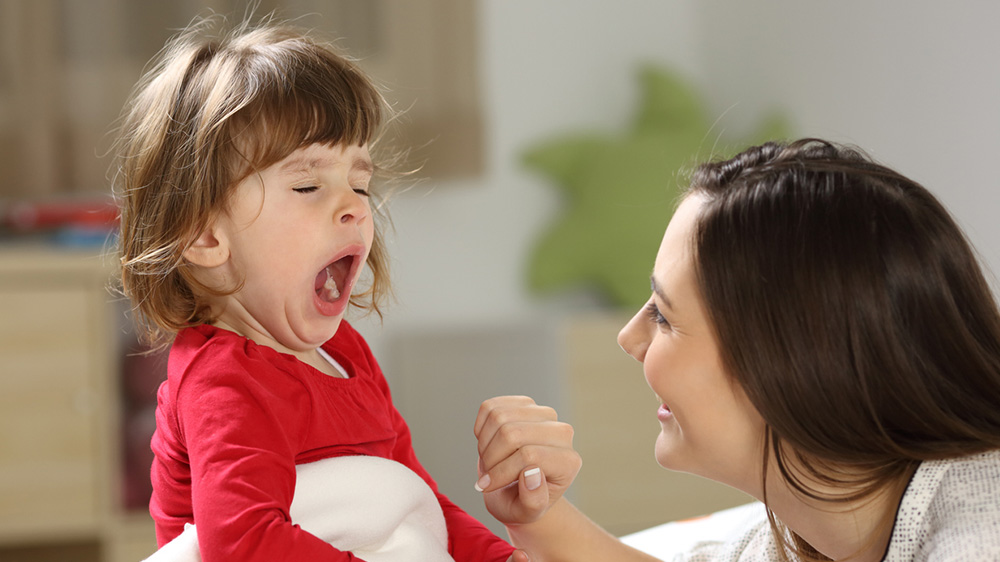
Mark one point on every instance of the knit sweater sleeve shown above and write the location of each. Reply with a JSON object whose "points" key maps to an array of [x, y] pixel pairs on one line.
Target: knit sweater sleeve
{"points": [[241, 429], [468, 539]]}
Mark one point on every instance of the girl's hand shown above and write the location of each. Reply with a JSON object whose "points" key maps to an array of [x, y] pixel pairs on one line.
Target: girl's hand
{"points": [[526, 458]]}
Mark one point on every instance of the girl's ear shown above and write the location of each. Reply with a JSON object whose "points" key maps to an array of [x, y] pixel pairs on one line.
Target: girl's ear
{"points": [[210, 249]]}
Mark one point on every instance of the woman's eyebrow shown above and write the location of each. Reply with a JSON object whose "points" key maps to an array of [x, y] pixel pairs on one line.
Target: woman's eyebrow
{"points": [[659, 292]]}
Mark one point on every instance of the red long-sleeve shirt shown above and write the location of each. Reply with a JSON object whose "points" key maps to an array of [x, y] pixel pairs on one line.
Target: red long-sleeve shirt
{"points": [[233, 420]]}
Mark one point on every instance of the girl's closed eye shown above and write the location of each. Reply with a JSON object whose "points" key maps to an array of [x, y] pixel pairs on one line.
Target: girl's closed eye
{"points": [[654, 314], [362, 191], [305, 189]]}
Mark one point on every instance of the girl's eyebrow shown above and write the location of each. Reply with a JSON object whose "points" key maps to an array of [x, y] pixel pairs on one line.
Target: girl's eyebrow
{"points": [[302, 164], [305, 164], [659, 292], [363, 165]]}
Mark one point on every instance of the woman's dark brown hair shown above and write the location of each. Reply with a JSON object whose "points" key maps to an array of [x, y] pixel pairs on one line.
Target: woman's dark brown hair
{"points": [[852, 310]]}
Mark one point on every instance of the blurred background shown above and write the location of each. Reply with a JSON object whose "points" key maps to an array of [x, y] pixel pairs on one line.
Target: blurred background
{"points": [[547, 131]]}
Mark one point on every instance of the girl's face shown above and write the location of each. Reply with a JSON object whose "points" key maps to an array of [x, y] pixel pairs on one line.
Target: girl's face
{"points": [[298, 234], [708, 426]]}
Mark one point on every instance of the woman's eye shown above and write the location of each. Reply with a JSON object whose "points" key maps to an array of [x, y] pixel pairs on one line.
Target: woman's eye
{"points": [[306, 189], [654, 314]]}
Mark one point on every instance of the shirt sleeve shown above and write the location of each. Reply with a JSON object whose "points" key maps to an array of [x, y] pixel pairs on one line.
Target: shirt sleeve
{"points": [[240, 430]]}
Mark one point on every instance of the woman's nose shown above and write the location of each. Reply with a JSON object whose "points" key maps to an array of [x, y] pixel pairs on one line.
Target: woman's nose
{"points": [[634, 337]]}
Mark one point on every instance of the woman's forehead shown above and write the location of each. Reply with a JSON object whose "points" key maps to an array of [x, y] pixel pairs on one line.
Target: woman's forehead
{"points": [[673, 276], [676, 245]]}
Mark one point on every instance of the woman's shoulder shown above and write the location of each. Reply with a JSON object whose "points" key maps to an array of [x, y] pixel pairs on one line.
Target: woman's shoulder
{"points": [[968, 480], [953, 509], [739, 534], [970, 489]]}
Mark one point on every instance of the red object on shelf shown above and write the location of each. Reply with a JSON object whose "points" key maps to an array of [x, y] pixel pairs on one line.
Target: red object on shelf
{"points": [[36, 216]]}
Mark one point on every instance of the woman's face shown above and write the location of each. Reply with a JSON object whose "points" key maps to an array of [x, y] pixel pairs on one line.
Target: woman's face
{"points": [[708, 426]]}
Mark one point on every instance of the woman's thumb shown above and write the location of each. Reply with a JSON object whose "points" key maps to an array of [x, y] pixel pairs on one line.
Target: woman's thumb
{"points": [[519, 556], [533, 494]]}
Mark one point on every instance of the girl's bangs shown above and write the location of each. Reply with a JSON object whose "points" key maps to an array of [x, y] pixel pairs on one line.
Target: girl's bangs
{"points": [[328, 109]]}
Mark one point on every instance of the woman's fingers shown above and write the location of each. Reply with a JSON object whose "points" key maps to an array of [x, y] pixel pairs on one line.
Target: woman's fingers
{"points": [[526, 458], [505, 423], [560, 466], [499, 402], [498, 412], [517, 446], [521, 503], [518, 556]]}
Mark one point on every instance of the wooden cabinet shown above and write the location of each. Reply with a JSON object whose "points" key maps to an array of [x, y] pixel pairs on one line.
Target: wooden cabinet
{"points": [[60, 469]]}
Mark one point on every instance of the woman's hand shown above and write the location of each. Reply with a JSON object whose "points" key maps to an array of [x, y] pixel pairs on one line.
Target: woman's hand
{"points": [[519, 556], [526, 458]]}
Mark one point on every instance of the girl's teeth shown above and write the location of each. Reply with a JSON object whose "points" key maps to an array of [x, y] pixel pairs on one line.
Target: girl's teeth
{"points": [[330, 288]]}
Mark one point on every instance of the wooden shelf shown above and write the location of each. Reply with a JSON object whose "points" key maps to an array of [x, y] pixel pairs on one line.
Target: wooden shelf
{"points": [[60, 404]]}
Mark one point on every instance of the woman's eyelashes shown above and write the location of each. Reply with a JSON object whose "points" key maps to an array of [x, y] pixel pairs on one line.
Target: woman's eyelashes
{"points": [[654, 314]]}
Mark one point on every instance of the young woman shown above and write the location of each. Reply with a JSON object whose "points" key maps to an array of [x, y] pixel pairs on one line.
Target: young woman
{"points": [[820, 336]]}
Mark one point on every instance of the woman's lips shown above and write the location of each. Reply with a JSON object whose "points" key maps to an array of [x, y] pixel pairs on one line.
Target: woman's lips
{"points": [[663, 412]]}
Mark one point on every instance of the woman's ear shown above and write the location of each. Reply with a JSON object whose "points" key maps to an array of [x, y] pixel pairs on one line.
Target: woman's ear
{"points": [[210, 249]]}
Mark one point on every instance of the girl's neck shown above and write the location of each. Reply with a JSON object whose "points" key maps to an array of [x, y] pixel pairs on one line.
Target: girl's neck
{"points": [[310, 357]]}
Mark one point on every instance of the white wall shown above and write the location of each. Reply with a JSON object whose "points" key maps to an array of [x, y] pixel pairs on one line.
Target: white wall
{"points": [[915, 82], [460, 247]]}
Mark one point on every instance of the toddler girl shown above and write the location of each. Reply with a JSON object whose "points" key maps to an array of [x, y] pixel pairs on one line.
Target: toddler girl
{"points": [[245, 183]]}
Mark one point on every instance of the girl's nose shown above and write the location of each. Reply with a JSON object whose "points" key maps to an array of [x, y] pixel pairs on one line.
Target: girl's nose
{"points": [[352, 208], [634, 337]]}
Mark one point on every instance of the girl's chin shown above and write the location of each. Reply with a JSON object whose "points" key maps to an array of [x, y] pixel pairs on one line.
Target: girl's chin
{"points": [[307, 334], [320, 334]]}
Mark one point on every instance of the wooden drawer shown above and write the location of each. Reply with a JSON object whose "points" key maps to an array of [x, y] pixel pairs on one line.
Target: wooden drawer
{"points": [[49, 431]]}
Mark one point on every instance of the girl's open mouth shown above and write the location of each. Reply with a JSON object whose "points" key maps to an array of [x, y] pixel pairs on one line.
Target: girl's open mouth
{"points": [[332, 280]]}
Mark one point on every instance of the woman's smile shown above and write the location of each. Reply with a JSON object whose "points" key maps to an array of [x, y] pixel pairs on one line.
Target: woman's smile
{"points": [[707, 427]]}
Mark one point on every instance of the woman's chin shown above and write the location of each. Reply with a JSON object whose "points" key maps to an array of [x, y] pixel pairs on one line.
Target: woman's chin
{"points": [[666, 453]]}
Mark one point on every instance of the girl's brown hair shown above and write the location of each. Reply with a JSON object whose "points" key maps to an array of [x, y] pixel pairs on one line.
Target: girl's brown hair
{"points": [[213, 109], [852, 310]]}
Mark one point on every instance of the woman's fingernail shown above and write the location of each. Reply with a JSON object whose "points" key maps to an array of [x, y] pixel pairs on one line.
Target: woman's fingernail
{"points": [[533, 478], [483, 483]]}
